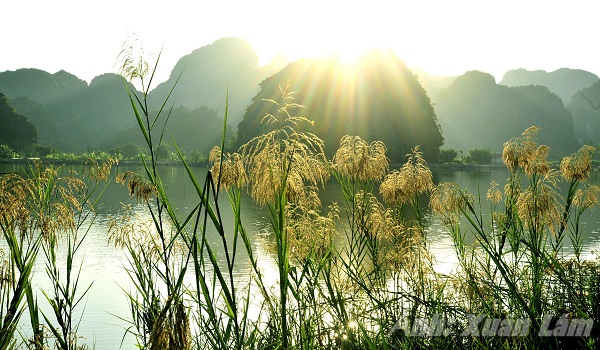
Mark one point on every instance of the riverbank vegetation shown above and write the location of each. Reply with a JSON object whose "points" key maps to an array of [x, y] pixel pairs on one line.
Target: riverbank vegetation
{"points": [[368, 286], [371, 284]]}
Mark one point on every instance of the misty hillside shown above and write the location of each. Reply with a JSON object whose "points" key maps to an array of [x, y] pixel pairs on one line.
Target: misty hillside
{"points": [[228, 64], [378, 99], [198, 130], [16, 132], [475, 112], [74, 116], [47, 131], [433, 84], [100, 110], [564, 82], [39, 85], [585, 109], [69, 114]]}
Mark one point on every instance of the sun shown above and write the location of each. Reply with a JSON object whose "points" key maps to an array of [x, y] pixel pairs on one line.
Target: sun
{"points": [[347, 48], [348, 51], [342, 31]]}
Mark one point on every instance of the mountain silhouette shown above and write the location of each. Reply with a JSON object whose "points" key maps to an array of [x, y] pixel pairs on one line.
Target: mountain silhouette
{"points": [[75, 116], [208, 73], [39, 85], [198, 129], [17, 132], [378, 98], [564, 82], [475, 112], [585, 108], [433, 84], [48, 133]]}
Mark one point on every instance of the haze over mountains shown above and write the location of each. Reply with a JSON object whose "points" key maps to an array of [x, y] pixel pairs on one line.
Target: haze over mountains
{"points": [[380, 100], [475, 112], [74, 116]]}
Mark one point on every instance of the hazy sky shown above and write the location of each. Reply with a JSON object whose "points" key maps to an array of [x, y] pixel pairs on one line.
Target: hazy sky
{"points": [[443, 37]]}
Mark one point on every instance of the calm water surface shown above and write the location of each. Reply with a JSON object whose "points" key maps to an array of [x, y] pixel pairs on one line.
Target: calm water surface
{"points": [[103, 265]]}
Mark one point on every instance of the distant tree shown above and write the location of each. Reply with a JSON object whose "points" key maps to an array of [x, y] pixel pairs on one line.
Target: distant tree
{"points": [[6, 152], [448, 155], [115, 152], [164, 153], [130, 151], [38, 151], [196, 156], [481, 156], [379, 98]]}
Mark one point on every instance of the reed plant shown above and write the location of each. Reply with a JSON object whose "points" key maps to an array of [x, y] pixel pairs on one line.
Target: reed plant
{"points": [[365, 287], [44, 209], [518, 265]]}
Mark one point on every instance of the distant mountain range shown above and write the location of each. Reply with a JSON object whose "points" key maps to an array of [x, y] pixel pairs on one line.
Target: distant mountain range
{"points": [[563, 82], [72, 115], [475, 112]]}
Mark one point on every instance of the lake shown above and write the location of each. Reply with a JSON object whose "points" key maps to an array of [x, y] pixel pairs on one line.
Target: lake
{"points": [[106, 305]]}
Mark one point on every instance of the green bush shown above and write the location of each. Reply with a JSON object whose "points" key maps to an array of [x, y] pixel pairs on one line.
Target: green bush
{"points": [[480, 156]]}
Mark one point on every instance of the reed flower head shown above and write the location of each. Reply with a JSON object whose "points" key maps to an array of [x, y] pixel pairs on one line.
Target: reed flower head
{"points": [[228, 169], [7, 279], [44, 202], [406, 248], [309, 233], [587, 197], [512, 189], [377, 220], [537, 162], [447, 199], [284, 158], [493, 194], [139, 187], [138, 234], [538, 207], [356, 159], [578, 165], [132, 62], [413, 179], [99, 172], [272, 168], [523, 152]]}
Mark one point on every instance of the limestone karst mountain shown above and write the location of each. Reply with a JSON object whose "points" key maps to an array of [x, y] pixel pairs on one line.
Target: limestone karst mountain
{"points": [[475, 112], [564, 82], [206, 75], [585, 108], [377, 98], [74, 115]]}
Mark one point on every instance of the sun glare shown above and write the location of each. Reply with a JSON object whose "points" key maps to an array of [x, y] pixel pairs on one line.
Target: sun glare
{"points": [[346, 35]]}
